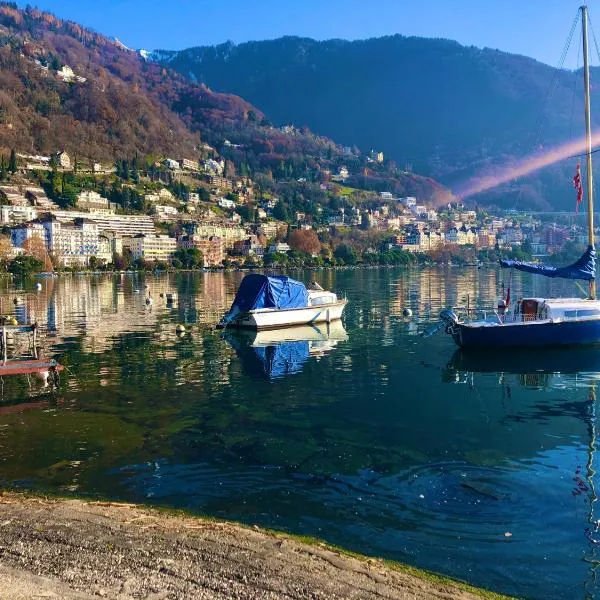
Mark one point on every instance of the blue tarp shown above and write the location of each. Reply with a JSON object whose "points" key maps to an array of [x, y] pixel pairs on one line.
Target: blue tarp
{"points": [[584, 268], [283, 359], [275, 360], [262, 291]]}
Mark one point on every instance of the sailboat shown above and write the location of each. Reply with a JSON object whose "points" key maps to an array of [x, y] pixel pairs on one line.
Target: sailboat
{"points": [[544, 322]]}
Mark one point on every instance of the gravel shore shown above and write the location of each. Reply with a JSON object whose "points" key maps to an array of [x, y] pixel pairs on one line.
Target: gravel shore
{"points": [[74, 549]]}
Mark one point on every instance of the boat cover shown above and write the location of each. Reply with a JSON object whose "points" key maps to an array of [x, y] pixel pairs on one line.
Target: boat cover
{"points": [[273, 361], [263, 291], [283, 359], [584, 268]]}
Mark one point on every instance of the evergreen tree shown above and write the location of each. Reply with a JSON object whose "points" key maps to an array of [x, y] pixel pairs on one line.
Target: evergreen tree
{"points": [[280, 212], [12, 162]]}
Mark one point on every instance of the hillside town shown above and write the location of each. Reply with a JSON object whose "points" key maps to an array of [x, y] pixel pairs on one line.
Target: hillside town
{"points": [[194, 213]]}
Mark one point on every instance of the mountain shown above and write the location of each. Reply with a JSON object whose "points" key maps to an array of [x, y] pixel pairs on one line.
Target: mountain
{"points": [[62, 86], [446, 110], [65, 87]]}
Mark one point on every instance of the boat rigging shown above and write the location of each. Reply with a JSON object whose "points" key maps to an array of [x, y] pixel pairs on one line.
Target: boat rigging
{"points": [[537, 322]]}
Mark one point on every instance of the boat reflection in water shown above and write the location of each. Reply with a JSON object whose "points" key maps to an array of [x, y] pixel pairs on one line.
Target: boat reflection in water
{"points": [[533, 369], [281, 352], [574, 372]]}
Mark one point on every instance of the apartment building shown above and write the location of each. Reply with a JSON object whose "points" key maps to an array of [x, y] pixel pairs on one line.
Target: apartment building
{"points": [[151, 247]]}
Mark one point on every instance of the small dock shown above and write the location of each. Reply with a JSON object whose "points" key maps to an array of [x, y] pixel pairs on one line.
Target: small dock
{"points": [[29, 362]]}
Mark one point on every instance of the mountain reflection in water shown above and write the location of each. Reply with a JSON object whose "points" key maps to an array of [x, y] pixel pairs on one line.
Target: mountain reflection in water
{"points": [[380, 440]]}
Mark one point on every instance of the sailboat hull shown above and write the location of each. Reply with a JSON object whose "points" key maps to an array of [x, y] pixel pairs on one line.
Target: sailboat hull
{"points": [[527, 335]]}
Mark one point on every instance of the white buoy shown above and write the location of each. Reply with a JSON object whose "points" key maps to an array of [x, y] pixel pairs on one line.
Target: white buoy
{"points": [[406, 312], [38, 286], [180, 328]]}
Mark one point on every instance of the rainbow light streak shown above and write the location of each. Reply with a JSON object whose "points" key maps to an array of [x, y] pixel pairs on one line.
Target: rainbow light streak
{"points": [[526, 166]]}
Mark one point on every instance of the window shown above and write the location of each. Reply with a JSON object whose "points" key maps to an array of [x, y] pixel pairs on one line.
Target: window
{"points": [[582, 312]]}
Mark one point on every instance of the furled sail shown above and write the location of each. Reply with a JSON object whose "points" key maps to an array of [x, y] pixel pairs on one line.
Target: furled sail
{"points": [[583, 268]]}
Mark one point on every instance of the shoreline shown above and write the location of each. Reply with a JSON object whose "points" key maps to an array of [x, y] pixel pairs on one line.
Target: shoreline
{"points": [[54, 547], [274, 268]]}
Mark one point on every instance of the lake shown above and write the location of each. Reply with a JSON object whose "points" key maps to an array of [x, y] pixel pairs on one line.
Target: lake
{"points": [[370, 436]]}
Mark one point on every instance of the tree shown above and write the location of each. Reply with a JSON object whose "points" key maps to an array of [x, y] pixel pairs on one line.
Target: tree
{"points": [[36, 247], [3, 168], [68, 197], [203, 194], [305, 241], [24, 265], [247, 212], [189, 258], [344, 253], [280, 212], [6, 250], [12, 162], [96, 263]]}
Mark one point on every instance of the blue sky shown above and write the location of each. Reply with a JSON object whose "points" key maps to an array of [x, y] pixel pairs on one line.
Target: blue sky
{"points": [[536, 28]]}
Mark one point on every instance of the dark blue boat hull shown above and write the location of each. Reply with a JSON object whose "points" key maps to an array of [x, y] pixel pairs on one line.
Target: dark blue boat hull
{"points": [[527, 335]]}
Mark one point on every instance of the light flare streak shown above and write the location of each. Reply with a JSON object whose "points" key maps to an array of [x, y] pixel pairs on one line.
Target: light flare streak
{"points": [[525, 166]]}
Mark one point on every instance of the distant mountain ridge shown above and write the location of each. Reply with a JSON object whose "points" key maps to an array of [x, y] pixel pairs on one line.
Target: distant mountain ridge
{"points": [[446, 110], [65, 87]]}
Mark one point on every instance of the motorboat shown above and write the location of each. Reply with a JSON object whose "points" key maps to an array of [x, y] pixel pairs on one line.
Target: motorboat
{"points": [[270, 302]]}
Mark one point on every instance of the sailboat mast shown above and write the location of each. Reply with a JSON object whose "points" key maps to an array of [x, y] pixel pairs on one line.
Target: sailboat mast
{"points": [[588, 138]]}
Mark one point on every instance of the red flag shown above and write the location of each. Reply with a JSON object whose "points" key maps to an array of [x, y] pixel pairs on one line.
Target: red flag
{"points": [[577, 185]]}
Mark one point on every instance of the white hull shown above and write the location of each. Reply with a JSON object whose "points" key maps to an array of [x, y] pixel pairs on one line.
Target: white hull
{"points": [[312, 333], [271, 318]]}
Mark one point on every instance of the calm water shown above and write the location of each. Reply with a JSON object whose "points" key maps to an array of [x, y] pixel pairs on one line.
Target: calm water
{"points": [[374, 438]]}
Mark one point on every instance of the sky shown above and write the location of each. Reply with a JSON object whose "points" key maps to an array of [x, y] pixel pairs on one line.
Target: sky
{"points": [[536, 28]]}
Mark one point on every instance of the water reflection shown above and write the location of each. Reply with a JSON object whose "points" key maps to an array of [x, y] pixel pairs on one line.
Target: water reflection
{"points": [[573, 370], [281, 352], [386, 442]]}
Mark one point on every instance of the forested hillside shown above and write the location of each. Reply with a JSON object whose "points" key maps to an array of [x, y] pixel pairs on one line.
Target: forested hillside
{"points": [[442, 109]]}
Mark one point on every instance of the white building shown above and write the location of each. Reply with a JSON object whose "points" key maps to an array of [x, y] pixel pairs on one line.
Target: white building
{"points": [[226, 203], [408, 201], [163, 195], [12, 215], [280, 247], [214, 167], [342, 174], [95, 203], [164, 210], [121, 224], [151, 247], [172, 164], [70, 243], [68, 75]]}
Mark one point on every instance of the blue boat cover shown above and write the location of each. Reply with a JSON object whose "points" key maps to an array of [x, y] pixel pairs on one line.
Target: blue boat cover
{"points": [[584, 268], [283, 359], [275, 361], [262, 291]]}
